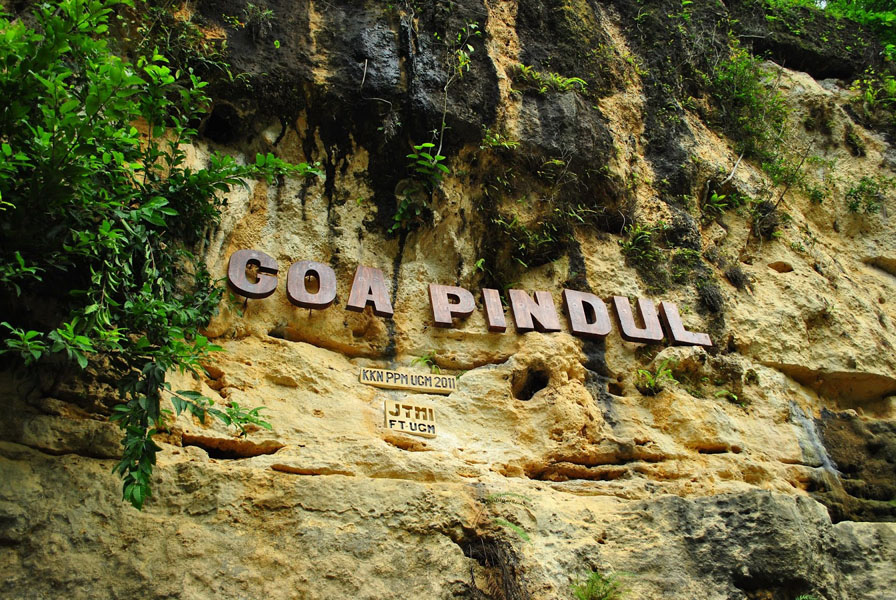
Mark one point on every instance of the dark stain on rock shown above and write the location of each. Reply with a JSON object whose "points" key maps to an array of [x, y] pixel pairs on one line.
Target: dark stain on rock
{"points": [[864, 451]]}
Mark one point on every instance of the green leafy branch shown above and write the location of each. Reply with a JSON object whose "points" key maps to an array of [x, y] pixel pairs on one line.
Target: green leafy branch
{"points": [[99, 217]]}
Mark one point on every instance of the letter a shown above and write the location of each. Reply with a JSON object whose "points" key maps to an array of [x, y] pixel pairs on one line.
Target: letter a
{"points": [[367, 287]]}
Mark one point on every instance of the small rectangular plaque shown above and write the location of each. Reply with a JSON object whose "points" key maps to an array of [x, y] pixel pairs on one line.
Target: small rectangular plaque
{"points": [[417, 382], [410, 417]]}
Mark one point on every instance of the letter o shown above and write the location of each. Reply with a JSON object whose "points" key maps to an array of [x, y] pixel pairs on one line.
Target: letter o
{"points": [[299, 295]]}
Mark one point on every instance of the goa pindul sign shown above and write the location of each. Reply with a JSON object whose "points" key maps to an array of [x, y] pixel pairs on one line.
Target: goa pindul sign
{"points": [[587, 314]]}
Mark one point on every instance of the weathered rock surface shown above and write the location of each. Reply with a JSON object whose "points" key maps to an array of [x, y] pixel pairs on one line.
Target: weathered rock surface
{"points": [[756, 475], [229, 529]]}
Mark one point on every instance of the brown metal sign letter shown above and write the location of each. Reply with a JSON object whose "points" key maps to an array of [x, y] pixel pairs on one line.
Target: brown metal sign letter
{"points": [[541, 310], [630, 332], [267, 274], [367, 287], [443, 309], [494, 311], [675, 328], [299, 295], [578, 316]]}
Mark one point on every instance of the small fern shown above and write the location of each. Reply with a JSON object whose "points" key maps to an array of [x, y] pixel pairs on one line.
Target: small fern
{"points": [[599, 587], [513, 526]]}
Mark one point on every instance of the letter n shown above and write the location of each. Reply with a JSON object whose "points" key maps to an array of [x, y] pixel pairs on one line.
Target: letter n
{"points": [[534, 314]]}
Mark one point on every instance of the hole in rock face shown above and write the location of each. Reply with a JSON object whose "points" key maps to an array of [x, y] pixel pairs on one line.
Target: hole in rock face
{"points": [[766, 586], [224, 448], [615, 389], [223, 125], [781, 266], [528, 383], [501, 576]]}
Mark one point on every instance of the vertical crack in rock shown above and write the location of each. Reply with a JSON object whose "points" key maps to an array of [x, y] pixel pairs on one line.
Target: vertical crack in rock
{"points": [[500, 574], [390, 350], [597, 372]]}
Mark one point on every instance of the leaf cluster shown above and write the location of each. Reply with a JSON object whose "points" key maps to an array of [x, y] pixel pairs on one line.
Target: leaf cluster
{"points": [[100, 207], [425, 164], [652, 383], [544, 82], [428, 360], [641, 246], [867, 195], [598, 586], [749, 105]]}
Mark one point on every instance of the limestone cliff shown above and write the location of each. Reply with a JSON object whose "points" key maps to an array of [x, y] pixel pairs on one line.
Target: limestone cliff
{"points": [[765, 469]]}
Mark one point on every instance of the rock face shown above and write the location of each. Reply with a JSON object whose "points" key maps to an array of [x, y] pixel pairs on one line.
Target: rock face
{"points": [[765, 467]]}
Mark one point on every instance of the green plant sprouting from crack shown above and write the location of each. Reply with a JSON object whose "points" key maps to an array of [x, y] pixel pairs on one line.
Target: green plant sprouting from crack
{"points": [[428, 360], [545, 82], [641, 245], [651, 383], [489, 504], [496, 140], [598, 586], [427, 160], [867, 195]]}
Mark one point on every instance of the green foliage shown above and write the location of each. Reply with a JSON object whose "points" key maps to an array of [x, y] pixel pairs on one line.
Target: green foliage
{"points": [[652, 383], [685, 263], [599, 587], [530, 245], [641, 245], [13, 271], [764, 219], [877, 96], [496, 139], [428, 167], [428, 360], [184, 44], [99, 216], [878, 15], [545, 82], [866, 196], [730, 397], [493, 500], [714, 206], [257, 20], [513, 527], [27, 344], [233, 414], [749, 105], [408, 215], [806, 597], [462, 47]]}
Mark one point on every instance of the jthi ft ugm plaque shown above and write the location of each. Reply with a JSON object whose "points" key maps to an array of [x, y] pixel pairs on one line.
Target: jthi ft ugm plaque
{"points": [[411, 417]]}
